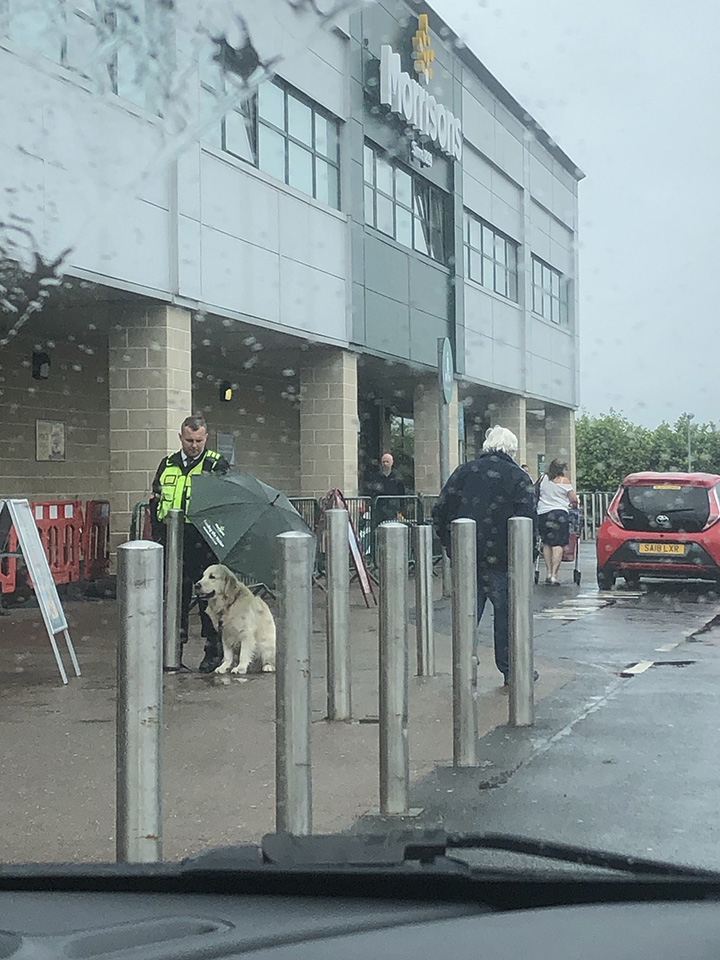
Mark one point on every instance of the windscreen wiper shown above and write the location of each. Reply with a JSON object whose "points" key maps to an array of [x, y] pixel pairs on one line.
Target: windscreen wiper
{"points": [[430, 846]]}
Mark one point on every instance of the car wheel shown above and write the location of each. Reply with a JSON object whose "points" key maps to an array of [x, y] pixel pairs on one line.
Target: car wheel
{"points": [[605, 579]]}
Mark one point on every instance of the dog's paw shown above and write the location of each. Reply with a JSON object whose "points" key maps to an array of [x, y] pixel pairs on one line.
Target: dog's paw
{"points": [[222, 669], [239, 670], [268, 668]]}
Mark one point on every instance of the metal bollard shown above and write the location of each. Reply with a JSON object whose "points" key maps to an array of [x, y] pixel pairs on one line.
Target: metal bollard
{"points": [[293, 774], [423, 534], [172, 654], [338, 616], [392, 541], [139, 702], [463, 535], [520, 579]]}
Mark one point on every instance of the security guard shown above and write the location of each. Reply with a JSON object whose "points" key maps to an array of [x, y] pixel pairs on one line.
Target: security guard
{"points": [[171, 490]]}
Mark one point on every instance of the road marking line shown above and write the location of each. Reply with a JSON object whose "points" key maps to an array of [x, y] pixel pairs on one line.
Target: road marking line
{"points": [[667, 646], [637, 668]]}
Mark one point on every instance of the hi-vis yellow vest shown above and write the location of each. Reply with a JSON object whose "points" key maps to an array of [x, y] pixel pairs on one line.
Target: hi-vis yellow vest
{"points": [[176, 484]]}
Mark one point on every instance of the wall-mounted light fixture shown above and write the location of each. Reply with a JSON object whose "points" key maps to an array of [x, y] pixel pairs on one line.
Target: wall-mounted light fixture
{"points": [[40, 365], [225, 391]]}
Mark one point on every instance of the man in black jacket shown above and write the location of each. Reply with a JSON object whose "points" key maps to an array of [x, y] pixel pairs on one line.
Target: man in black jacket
{"points": [[489, 490]]}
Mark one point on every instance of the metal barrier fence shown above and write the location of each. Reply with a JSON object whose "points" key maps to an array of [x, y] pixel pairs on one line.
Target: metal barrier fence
{"points": [[593, 507]]}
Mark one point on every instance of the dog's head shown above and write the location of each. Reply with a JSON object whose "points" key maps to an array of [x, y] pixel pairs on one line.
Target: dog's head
{"points": [[220, 582]]}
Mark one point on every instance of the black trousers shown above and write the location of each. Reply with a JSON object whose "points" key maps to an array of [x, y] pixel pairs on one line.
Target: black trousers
{"points": [[197, 555]]}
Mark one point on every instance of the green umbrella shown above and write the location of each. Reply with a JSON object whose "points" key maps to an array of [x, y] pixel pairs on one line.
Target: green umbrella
{"points": [[240, 516]]}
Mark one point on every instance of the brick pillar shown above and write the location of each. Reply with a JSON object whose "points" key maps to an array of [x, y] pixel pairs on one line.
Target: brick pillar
{"points": [[560, 436], [329, 424], [509, 411], [427, 450], [150, 395]]}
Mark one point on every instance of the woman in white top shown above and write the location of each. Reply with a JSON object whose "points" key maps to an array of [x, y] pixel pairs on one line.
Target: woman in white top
{"points": [[556, 498]]}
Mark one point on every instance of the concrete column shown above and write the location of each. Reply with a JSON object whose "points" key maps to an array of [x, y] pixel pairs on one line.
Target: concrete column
{"points": [[510, 412], [150, 395], [560, 436], [329, 424], [427, 451]]}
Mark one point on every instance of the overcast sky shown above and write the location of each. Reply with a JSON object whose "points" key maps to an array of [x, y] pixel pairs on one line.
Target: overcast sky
{"points": [[630, 90]]}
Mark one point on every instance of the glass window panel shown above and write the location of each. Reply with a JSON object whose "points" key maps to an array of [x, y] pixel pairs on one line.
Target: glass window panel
{"points": [[511, 256], [370, 206], [420, 236], [500, 279], [383, 176], [368, 158], [547, 280], [475, 234], [403, 188], [437, 225], [512, 286], [212, 133], [488, 279], [32, 28], [475, 266], [384, 214], [488, 241], [555, 284], [127, 82], [403, 226], [239, 136], [563, 312], [81, 44], [500, 249], [271, 104], [271, 152], [547, 306], [299, 120], [326, 137], [537, 272], [466, 228], [326, 182], [300, 168]]}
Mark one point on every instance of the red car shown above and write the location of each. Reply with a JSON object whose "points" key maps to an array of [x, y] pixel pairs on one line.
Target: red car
{"points": [[661, 525]]}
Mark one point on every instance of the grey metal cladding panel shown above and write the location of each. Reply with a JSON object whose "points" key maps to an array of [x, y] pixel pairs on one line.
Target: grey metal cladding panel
{"points": [[538, 151], [541, 183], [424, 332], [387, 325], [477, 197], [478, 91], [509, 122], [429, 288], [559, 233], [508, 366], [509, 153], [540, 219], [506, 189], [540, 243], [478, 311], [505, 218], [386, 269], [478, 124], [357, 251], [478, 356], [358, 313], [561, 259], [379, 27], [477, 167], [564, 203], [567, 179], [354, 202], [507, 322]]}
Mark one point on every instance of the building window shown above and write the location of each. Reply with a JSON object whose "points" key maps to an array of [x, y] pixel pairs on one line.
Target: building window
{"points": [[550, 292], [280, 132], [404, 206], [491, 258]]}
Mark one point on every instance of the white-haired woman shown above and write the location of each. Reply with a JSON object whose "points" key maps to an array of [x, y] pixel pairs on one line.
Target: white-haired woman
{"points": [[489, 490]]}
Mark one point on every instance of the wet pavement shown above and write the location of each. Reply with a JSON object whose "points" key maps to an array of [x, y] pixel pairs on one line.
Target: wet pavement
{"points": [[57, 753]]}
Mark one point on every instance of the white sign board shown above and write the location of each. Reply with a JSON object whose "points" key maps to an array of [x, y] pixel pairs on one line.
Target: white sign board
{"points": [[43, 583]]}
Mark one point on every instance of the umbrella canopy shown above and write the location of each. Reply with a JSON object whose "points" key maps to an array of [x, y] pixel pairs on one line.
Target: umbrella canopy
{"points": [[240, 516]]}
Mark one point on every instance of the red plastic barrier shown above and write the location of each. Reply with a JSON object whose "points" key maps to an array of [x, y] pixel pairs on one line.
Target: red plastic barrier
{"points": [[96, 539], [8, 566], [60, 524]]}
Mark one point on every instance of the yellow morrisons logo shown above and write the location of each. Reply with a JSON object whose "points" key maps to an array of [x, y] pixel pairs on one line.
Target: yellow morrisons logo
{"points": [[423, 53]]}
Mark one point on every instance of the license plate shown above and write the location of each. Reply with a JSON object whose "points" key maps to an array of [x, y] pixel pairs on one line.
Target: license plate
{"points": [[678, 549]]}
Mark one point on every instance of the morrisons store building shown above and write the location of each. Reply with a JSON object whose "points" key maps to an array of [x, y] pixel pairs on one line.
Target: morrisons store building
{"points": [[307, 247]]}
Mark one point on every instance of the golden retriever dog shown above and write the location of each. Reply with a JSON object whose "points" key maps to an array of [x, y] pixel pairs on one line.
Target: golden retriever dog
{"points": [[244, 621]]}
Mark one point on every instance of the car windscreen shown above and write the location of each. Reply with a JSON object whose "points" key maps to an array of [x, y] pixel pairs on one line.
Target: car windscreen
{"points": [[664, 507]]}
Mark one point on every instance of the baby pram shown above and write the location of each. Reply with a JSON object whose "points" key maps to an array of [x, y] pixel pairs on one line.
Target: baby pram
{"points": [[571, 552]]}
